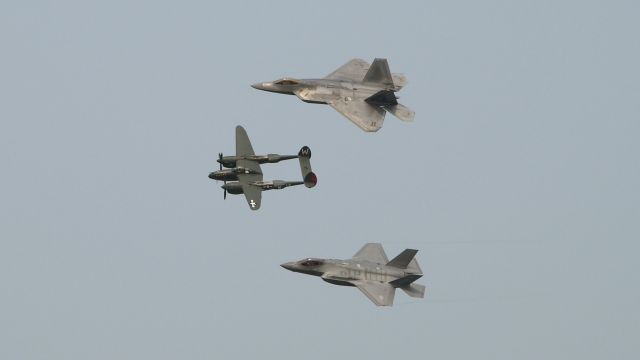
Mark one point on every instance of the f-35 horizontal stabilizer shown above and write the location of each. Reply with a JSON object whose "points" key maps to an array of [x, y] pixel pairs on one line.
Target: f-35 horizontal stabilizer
{"points": [[405, 281], [415, 290], [403, 259], [309, 177], [401, 112]]}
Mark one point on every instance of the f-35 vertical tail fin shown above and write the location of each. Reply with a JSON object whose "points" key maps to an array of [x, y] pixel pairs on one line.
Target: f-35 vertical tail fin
{"points": [[403, 259], [309, 177], [379, 73]]}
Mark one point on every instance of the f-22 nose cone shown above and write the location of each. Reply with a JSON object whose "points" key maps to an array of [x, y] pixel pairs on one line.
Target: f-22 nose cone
{"points": [[258, 86]]}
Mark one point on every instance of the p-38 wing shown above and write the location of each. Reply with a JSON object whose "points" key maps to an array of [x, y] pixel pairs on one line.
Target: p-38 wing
{"points": [[252, 193]]}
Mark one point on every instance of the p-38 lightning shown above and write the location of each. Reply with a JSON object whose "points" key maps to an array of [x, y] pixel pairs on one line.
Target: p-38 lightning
{"points": [[244, 175]]}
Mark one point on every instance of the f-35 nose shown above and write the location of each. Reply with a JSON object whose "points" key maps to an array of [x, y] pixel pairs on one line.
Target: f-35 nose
{"points": [[287, 265], [258, 86]]}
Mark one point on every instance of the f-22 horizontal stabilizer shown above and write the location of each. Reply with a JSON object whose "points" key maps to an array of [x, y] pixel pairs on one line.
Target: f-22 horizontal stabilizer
{"points": [[401, 112]]}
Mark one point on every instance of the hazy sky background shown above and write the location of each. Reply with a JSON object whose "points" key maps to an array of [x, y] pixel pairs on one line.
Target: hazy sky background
{"points": [[518, 180]]}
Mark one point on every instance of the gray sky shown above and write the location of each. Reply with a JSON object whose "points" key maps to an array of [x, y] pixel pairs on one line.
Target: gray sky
{"points": [[518, 180]]}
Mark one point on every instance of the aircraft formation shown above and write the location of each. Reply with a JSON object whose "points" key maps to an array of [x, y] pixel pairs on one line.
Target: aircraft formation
{"points": [[363, 93]]}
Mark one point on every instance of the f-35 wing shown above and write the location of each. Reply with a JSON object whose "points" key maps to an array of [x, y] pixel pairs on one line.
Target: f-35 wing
{"points": [[381, 294], [367, 117], [373, 252]]}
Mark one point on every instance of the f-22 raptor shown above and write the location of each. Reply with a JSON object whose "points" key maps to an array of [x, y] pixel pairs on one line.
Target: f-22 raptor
{"points": [[370, 271], [245, 173], [359, 91]]}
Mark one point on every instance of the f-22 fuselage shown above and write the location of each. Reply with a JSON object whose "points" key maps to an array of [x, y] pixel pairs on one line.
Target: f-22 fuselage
{"points": [[361, 92]]}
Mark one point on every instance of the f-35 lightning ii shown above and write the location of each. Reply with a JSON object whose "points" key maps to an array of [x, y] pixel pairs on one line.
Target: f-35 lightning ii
{"points": [[357, 90], [370, 271], [245, 174]]}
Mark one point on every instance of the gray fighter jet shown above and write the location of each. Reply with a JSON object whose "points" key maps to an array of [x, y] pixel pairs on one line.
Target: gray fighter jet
{"points": [[245, 173], [357, 90], [370, 271]]}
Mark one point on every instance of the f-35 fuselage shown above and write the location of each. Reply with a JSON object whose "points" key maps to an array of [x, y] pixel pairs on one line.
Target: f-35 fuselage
{"points": [[344, 272]]}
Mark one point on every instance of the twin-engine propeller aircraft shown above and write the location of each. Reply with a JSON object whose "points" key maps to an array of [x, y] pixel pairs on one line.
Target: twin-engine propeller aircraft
{"points": [[370, 271], [361, 92], [245, 175]]}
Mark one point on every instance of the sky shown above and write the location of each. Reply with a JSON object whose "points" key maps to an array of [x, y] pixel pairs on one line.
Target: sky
{"points": [[518, 180]]}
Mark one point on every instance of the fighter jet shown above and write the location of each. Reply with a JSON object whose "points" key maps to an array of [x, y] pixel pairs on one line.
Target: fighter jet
{"points": [[245, 173], [357, 90], [370, 271]]}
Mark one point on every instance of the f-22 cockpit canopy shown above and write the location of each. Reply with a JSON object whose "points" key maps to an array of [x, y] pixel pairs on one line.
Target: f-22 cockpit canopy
{"points": [[287, 81]]}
